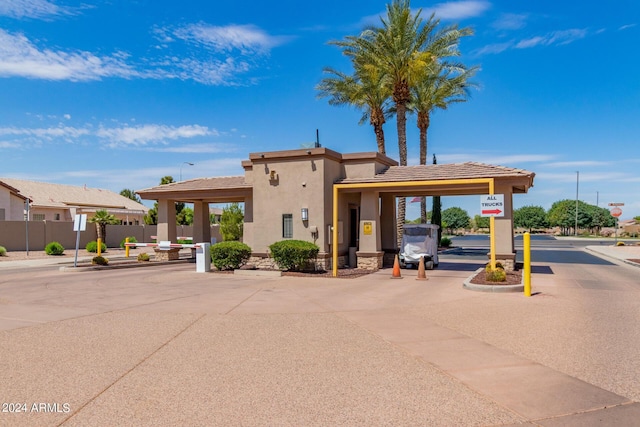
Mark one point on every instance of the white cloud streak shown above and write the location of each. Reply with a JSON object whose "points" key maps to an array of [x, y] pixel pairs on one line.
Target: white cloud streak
{"points": [[457, 10], [144, 134], [247, 39], [141, 135], [510, 21], [37, 9], [21, 58], [626, 27], [554, 38], [493, 159]]}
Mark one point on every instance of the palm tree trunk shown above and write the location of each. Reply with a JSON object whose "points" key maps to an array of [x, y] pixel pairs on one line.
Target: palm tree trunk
{"points": [[401, 118], [423, 125], [377, 120]]}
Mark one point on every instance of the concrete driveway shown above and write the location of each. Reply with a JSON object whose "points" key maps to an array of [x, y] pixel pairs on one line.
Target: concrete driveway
{"points": [[167, 346]]}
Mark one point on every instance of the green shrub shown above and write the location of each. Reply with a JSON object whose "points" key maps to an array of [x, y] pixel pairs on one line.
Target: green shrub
{"points": [[497, 275], [229, 255], [93, 247], [185, 241], [3, 251], [293, 255], [499, 266], [445, 242], [131, 240], [100, 260], [143, 257], [54, 248]]}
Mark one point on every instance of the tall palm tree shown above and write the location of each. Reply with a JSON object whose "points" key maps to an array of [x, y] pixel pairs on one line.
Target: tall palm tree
{"points": [[365, 90], [405, 48], [441, 85]]}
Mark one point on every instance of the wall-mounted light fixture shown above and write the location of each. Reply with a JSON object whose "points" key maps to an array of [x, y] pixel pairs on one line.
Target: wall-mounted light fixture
{"points": [[305, 214], [272, 174]]}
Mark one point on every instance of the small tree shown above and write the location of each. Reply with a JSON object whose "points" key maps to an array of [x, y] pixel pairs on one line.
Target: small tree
{"points": [[231, 222], [530, 217], [101, 219], [481, 221], [130, 194], [455, 218]]}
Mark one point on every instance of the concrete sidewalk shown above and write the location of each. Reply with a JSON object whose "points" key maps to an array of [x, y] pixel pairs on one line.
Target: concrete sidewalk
{"points": [[168, 346]]}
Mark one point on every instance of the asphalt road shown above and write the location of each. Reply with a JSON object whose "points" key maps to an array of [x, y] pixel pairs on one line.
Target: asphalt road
{"points": [[544, 249]]}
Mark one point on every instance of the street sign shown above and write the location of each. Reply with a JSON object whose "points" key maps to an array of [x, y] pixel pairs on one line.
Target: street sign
{"points": [[616, 204], [80, 222], [616, 212], [492, 205]]}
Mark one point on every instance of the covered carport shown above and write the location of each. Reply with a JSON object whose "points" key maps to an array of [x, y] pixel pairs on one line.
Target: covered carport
{"points": [[201, 192], [378, 193]]}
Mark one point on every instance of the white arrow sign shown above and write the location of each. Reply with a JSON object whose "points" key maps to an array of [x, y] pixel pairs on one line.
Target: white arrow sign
{"points": [[492, 205]]}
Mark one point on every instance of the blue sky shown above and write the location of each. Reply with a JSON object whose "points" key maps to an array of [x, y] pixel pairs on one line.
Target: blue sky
{"points": [[118, 93]]}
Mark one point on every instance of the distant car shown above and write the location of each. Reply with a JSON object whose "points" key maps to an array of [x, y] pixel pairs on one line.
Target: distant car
{"points": [[419, 240]]}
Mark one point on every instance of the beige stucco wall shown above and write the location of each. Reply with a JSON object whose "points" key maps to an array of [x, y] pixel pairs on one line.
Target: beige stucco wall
{"points": [[295, 185], [13, 205]]}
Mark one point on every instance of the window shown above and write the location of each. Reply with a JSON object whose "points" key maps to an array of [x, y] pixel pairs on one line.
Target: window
{"points": [[287, 226], [37, 217], [56, 217], [2, 214]]}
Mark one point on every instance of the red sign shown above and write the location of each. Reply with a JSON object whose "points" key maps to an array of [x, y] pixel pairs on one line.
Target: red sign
{"points": [[616, 212]]}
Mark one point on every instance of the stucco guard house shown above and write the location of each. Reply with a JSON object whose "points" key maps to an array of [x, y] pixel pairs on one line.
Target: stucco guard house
{"points": [[344, 203]]}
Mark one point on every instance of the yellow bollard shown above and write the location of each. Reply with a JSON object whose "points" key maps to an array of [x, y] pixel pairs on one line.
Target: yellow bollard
{"points": [[527, 264], [126, 248], [99, 246]]}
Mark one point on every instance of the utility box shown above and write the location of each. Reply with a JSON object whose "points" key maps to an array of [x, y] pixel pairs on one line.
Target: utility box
{"points": [[203, 258]]}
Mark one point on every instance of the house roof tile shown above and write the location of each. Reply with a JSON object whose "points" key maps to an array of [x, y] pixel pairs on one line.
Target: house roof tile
{"points": [[44, 194]]}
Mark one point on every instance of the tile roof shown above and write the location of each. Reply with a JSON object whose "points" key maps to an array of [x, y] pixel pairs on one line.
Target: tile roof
{"points": [[468, 170], [213, 183], [44, 194]]}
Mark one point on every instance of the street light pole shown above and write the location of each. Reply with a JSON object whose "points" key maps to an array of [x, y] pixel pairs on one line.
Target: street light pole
{"points": [[577, 183], [182, 164]]}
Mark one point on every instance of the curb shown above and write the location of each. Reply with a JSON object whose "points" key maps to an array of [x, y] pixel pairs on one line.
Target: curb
{"points": [[490, 288], [120, 265], [610, 257]]}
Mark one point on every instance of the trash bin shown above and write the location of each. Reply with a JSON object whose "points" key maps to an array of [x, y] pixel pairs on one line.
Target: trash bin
{"points": [[203, 258], [353, 258]]}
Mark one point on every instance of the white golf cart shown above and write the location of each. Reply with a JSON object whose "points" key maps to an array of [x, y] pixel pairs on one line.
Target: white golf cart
{"points": [[419, 240]]}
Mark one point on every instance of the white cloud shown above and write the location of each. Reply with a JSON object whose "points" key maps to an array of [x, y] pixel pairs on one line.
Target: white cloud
{"points": [[210, 72], [493, 48], [199, 148], [113, 136], [39, 9], [67, 116], [456, 10], [247, 39], [510, 21], [558, 38], [493, 159], [576, 164], [21, 58], [144, 134], [8, 145], [553, 38], [65, 132], [626, 27]]}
